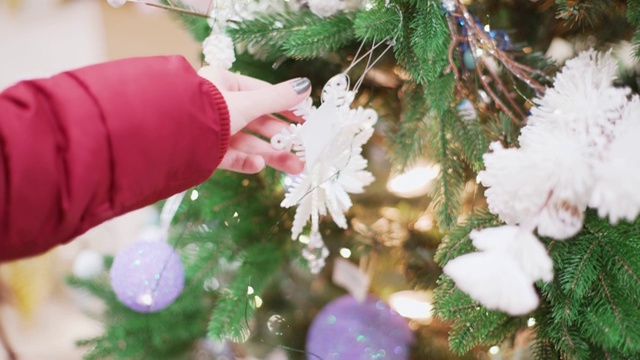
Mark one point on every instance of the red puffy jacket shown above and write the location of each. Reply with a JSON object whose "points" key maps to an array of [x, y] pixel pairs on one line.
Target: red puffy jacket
{"points": [[87, 145]]}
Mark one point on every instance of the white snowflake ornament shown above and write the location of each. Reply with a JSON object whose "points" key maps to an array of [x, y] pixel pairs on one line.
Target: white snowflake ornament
{"points": [[330, 143], [315, 253], [218, 50]]}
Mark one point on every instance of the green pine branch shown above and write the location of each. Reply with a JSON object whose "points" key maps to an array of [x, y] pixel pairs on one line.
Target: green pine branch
{"points": [[474, 142], [269, 32], [448, 187], [411, 138], [131, 335], [583, 12], [403, 50], [472, 324], [430, 39], [544, 349], [457, 241], [230, 318], [633, 15], [381, 22], [320, 38], [299, 35], [591, 306]]}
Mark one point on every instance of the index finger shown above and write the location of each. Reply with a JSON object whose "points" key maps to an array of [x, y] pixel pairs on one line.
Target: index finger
{"points": [[241, 82]]}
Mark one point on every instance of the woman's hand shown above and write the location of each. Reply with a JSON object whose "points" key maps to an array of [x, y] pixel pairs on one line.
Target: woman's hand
{"points": [[251, 103]]}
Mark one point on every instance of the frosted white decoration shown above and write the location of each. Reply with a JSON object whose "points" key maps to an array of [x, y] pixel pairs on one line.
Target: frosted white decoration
{"points": [[501, 276], [218, 50], [575, 151], [617, 174], [519, 244], [325, 8], [494, 279]]}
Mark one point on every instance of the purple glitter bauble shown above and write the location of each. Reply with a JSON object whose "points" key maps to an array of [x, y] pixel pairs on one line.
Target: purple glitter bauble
{"points": [[348, 330], [147, 276]]}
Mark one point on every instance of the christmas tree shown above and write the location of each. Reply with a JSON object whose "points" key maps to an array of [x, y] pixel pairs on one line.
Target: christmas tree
{"points": [[530, 209]]}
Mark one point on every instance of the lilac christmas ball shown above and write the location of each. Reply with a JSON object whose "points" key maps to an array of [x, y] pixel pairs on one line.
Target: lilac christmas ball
{"points": [[147, 276], [348, 330]]}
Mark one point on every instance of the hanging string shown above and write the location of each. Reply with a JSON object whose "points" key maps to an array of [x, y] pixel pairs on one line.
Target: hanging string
{"points": [[168, 212]]}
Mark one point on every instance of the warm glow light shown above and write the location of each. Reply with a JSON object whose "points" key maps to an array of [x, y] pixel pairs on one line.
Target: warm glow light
{"points": [[194, 195], [412, 304], [531, 322], [250, 290], [494, 350], [258, 301], [304, 239], [415, 182], [345, 253], [424, 223]]}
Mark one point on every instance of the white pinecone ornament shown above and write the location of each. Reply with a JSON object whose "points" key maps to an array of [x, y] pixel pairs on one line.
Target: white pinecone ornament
{"points": [[218, 50]]}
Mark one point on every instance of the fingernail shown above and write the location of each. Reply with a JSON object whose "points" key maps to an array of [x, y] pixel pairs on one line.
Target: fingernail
{"points": [[300, 86]]}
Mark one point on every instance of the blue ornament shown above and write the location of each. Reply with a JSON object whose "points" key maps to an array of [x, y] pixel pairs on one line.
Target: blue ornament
{"points": [[461, 21], [348, 330], [501, 39], [468, 59], [147, 276]]}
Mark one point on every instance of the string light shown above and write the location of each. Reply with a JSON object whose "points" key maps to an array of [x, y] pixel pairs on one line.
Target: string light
{"points": [[414, 182], [304, 239], [413, 305]]}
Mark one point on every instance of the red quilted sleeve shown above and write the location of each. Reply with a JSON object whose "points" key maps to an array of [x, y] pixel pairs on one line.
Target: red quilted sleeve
{"points": [[87, 145]]}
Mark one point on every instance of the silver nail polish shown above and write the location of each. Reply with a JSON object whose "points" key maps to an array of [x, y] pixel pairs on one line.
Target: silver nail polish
{"points": [[301, 85]]}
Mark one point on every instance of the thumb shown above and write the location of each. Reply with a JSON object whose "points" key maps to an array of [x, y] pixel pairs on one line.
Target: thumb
{"points": [[269, 99]]}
